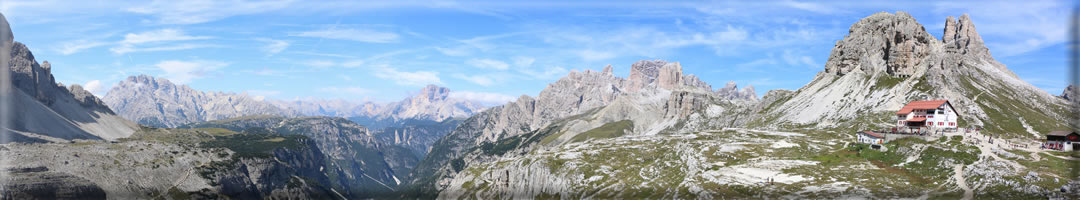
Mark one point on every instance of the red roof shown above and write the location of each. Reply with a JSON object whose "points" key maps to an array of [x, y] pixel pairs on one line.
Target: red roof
{"points": [[871, 133], [920, 105], [917, 119]]}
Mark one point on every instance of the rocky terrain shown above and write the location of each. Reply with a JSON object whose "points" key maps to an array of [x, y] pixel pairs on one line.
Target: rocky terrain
{"points": [[366, 165], [45, 110], [169, 163]]}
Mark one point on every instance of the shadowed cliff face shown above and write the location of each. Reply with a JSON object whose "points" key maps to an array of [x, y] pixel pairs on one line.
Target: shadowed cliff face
{"points": [[6, 40]]}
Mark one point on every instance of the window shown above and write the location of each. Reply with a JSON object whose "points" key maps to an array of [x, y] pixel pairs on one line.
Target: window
{"points": [[940, 123], [952, 123]]}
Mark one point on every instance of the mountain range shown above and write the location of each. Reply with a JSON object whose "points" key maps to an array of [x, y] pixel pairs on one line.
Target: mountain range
{"points": [[657, 133], [160, 103]]}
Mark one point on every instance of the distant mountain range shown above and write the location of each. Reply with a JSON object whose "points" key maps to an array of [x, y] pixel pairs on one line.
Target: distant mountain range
{"points": [[157, 102]]}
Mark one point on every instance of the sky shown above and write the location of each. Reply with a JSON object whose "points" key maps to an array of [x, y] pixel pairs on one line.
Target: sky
{"points": [[488, 51]]}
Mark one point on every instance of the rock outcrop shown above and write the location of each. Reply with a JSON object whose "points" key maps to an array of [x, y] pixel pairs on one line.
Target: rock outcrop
{"points": [[732, 91], [883, 42]]}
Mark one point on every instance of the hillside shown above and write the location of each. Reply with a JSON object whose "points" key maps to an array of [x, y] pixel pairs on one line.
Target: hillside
{"points": [[42, 109]]}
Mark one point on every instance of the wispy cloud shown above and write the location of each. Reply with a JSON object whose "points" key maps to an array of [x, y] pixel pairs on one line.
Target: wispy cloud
{"points": [[133, 41], [590, 55], [72, 47], [160, 35], [483, 80], [200, 11], [130, 49], [183, 72], [488, 64], [407, 78], [330, 63], [359, 35], [809, 6], [273, 46], [794, 59], [262, 94]]}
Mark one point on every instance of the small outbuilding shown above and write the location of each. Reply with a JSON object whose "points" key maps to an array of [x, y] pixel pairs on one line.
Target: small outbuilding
{"points": [[874, 139], [1062, 140]]}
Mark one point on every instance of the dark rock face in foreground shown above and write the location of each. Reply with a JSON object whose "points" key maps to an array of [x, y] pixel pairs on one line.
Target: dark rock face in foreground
{"points": [[40, 183]]}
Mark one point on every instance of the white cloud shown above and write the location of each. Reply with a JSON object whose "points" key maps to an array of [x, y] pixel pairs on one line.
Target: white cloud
{"points": [[548, 73], [488, 64], [808, 6], [353, 63], [129, 49], [415, 78], [200, 11], [482, 97], [459, 51], [755, 65], [95, 87], [476, 79], [183, 72], [359, 35], [159, 36], [133, 40], [273, 46], [320, 63], [795, 59], [330, 63], [262, 94], [522, 61], [590, 55], [69, 48]]}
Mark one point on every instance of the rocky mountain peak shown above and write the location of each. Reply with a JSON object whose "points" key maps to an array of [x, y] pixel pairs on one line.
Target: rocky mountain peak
{"points": [[732, 91], [961, 37], [644, 72], [608, 69], [434, 93], [670, 76], [883, 42], [1067, 94]]}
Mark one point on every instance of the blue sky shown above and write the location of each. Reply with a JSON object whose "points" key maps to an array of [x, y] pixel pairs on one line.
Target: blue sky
{"points": [[492, 51]]}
